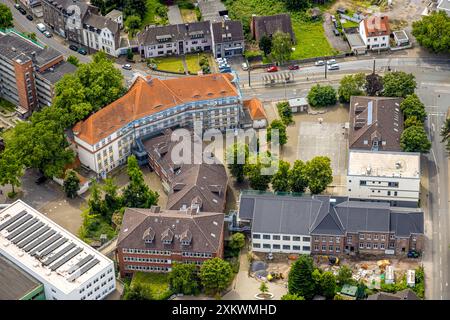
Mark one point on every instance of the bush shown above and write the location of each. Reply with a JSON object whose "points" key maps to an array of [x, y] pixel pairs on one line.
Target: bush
{"points": [[321, 96], [285, 113]]}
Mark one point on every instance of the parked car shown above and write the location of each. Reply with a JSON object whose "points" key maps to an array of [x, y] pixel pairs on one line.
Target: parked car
{"points": [[272, 69], [82, 51], [413, 254], [225, 70], [221, 60], [22, 10], [41, 179], [17, 6], [333, 67], [244, 66], [333, 18], [336, 32], [30, 17], [335, 23], [294, 67], [126, 66], [319, 63], [41, 27], [73, 47], [47, 34], [331, 61]]}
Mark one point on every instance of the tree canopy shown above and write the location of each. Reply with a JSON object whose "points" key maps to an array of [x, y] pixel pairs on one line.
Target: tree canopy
{"points": [[11, 169], [414, 139], [71, 184], [236, 157], [300, 281], [183, 278], [265, 44], [374, 84], [280, 180], [282, 134], [215, 275], [318, 173], [321, 96], [237, 241], [433, 32], [445, 134], [297, 5], [411, 106], [351, 85], [281, 47], [298, 181], [253, 171], [6, 17], [398, 84]]}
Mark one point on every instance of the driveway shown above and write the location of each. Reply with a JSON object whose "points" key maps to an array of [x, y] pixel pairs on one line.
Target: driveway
{"points": [[337, 42], [174, 15]]}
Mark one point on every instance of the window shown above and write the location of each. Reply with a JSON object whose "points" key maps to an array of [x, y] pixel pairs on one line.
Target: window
{"points": [[414, 238], [296, 248], [338, 249], [266, 246], [286, 238], [392, 237], [316, 239], [324, 239], [306, 248], [286, 247], [382, 246], [349, 239], [368, 245], [363, 183], [324, 248], [330, 248], [338, 239], [383, 237], [275, 237], [395, 193], [256, 236], [266, 236], [361, 236], [375, 237], [375, 246], [361, 245], [388, 193], [306, 239], [369, 237], [295, 238], [276, 246], [316, 247]]}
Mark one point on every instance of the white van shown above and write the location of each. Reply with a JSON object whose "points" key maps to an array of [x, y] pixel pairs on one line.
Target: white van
{"points": [[41, 27]]}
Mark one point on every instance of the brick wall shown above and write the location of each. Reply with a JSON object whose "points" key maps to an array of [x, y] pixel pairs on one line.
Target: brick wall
{"points": [[24, 88]]}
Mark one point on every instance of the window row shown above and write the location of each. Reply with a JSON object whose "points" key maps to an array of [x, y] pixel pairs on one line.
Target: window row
{"points": [[146, 268], [197, 254], [138, 259], [279, 247], [279, 237], [145, 251]]}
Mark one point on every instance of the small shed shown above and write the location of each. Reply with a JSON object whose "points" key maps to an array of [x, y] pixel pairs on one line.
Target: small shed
{"points": [[401, 38], [298, 104]]}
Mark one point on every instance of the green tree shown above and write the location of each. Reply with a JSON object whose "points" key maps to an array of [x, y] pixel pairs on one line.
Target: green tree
{"points": [[374, 84], [445, 134], [135, 7], [300, 281], [265, 44], [411, 106], [398, 84], [133, 23], [298, 181], [280, 180], [137, 194], [289, 296], [237, 241], [297, 5], [285, 112], [328, 284], [253, 171], [32, 36], [432, 32], [95, 202], [112, 198], [281, 47], [71, 184], [412, 121], [263, 288], [414, 139], [6, 17], [215, 275], [351, 85], [11, 169], [282, 134], [73, 60], [344, 275], [183, 278], [236, 157], [319, 174], [138, 291], [321, 96], [317, 279]]}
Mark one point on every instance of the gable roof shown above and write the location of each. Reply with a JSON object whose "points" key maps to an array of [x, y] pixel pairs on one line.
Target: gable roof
{"points": [[150, 96], [255, 108], [205, 230], [364, 216], [268, 25], [376, 26], [375, 119], [174, 32], [228, 30]]}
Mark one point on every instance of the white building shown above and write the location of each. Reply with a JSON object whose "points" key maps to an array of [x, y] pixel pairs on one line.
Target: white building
{"points": [[116, 16], [101, 33], [68, 268], [393, 176], [374, 32], [444, 5]]}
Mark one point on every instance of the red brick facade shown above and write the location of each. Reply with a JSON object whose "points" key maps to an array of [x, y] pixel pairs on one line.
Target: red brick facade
{"points": [[25, 85]]}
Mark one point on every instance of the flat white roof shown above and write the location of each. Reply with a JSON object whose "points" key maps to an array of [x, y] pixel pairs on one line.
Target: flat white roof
{"points": [[46, 250], [384, 164], [297, 102], [444, 5]]}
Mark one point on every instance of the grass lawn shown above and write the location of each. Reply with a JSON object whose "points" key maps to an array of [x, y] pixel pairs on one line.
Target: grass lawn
{"points": [[158, 283], [150, 16], [350, 24], [311, 40], [6, 105], [192, 62], [174, 64], [188, 15]]}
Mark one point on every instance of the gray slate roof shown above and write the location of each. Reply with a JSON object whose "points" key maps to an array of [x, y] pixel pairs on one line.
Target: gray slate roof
{"points": [[58, 72], [176, 32], [234, 28], [269, 25]]}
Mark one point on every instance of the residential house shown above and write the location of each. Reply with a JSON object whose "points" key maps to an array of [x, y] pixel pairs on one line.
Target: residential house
{"points": [[376, 123], [381, 175], [375, 32], [101, 33], [152, 240], [269, 25], [227, 38], [255, 110], [103, 140], [116, 16]]}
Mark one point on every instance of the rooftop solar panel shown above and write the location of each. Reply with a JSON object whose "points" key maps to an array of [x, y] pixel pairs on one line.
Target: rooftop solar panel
{"points": [[59, 254], [22, 228], [11, 220], [39, 240], [86, 268], [52, 247], [19, 222], [65, 259], [28, 232], [45, 244], [81, 263], [33, 237]]}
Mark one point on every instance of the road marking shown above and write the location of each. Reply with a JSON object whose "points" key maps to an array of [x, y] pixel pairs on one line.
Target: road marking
{"points": [[439, 201], [437, 84]]}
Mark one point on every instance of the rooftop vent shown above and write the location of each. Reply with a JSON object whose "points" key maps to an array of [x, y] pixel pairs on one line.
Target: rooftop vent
{"points": [[155, 209]]}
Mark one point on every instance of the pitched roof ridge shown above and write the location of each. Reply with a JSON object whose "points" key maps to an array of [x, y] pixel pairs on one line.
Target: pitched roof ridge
{"points": [[201, 230], [129, 232]]}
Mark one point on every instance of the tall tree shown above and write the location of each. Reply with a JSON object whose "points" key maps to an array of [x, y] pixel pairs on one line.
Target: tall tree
{"points": [[254, 172], [285, 112], [11, 169], [398, 84], [236, 157], [300, 281], [414, 139], [351, 85], [112, 198], [411, 106], [183, 278], [71, 184], [328, 284], [321, 96], [280, 180], [95, 202], [445, 134], [433, 31], [282, 134], [265, 44], [412, 121], [135, 7], [237, 241], [297, 5], [281, 47], [298, 181], [6, 17], [133, 23], [215, 275], [344, 275], [374, 84], [319, 174]]}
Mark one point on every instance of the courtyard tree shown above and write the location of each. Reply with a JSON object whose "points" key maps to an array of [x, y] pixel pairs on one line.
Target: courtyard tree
{"points": [[445, 134], [11, 170], [237, 241], [95, 202], [215, 275], [344, 275], [300, 281], [71, 184], [321, 96], [412, 121], [281, 47], [411, 106], [236, 157], [282, 134], [138, 291], [398, 84], [258, 179], [374, 84], [263, 288], [112, 198], [318, 173], [265, 44], [414, 139], [133, 23], [183, 278], [298, 181], [351, 85], [432, 31], [73, 60], [328, 284], [6, 17], [280, 180], [285, 112]]}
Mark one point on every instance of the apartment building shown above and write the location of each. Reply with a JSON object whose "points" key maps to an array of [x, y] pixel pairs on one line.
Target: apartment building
{"points": [[329, 225], [228, 39], [101, 33], [151, 240], [390, 176], [68, 268], [28, 72], [375, 32], [103, 141]]}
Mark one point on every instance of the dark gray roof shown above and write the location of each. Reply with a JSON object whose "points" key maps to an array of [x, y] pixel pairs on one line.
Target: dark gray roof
{"points": [[100, 22], [174, 32], [68, 5], [55, 73], [229, 27], [364, 216], [14, 283], [269, 25], [406, 223], [13, 47]]}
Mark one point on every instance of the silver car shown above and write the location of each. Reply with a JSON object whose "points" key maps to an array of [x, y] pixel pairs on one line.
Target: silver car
{"points": [[333, 67], [319, 63]]}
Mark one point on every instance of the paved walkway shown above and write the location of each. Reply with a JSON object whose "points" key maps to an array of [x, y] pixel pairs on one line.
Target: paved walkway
{"points": [[174, 15]]}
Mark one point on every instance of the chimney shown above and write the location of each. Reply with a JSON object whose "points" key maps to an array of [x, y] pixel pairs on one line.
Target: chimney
{"points": [[155, 209]]}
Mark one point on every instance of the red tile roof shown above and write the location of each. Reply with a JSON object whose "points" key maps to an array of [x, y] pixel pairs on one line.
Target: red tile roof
{"points": [[377, 26], [255, 109]]}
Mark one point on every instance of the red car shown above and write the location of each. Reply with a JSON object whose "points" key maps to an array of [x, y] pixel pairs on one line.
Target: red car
{"points": [[272, 69], [294, 67]]}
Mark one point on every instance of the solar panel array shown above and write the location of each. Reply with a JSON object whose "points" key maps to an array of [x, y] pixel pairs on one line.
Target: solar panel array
{"points": [[50, 247]]}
